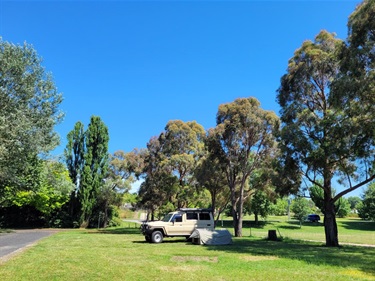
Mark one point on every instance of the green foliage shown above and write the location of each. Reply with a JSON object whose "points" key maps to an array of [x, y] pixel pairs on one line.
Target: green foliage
{"points": [[342, 207], [51, 189], [95, 166], [169, 168], [301, 208], [366, 210], [182, 146], [74, 152], [87, 160], [323, 131], [260, 205], [130, 198], [354, 202], [317, 196], [28, 112], [210, 175], [280, 207], [244, 143]]}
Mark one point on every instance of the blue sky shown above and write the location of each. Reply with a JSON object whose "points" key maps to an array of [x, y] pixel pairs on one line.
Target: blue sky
{"points": [[139, 64]]}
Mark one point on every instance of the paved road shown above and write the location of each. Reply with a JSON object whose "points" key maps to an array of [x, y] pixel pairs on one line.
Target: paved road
{"points": [[14, 242]]}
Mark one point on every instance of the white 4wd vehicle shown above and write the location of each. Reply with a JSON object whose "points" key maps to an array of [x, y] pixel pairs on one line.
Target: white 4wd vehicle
{"points": [[179, 223]]}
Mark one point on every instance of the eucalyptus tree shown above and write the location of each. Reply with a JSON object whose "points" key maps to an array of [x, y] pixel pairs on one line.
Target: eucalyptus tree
{"points": [[317, 133], [210, 175], [125, 166], [342, 205], [29, 110], [159, 185], [244, 142], [183, 146], [123, 169]]}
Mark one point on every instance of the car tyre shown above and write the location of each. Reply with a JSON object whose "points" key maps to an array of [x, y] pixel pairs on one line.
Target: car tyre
{"points": [[157, 237]]}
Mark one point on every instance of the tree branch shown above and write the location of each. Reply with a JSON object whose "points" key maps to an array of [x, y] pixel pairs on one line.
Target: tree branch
{"points": [[353, 188]]}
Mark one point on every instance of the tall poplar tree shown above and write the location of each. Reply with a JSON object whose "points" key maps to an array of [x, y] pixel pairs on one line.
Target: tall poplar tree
{"points": [[95, 167], [74, 156], [87, 160]]}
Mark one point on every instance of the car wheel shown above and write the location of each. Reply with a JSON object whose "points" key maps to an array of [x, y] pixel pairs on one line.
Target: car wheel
{"points": [[157, 237]]}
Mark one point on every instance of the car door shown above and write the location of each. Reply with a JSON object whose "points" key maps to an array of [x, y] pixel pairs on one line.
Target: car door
{"points": [[205, 221], [177, 225]]}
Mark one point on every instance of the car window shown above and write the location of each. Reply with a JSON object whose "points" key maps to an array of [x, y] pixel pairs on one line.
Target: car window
{"points": [[204, 217], [177, 218], [191, 216], [167, 217]]}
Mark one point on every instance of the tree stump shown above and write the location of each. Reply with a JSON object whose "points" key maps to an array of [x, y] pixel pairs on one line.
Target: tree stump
{"points": [[272, 235]]}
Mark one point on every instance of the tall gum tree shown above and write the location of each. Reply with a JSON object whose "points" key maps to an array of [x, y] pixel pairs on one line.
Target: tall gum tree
{"points": [[317, 133], [210, 175], [244, 142], [183, 147], [158, 186]]}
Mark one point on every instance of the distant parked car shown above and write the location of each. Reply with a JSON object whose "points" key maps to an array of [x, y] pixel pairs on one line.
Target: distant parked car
{"points": [[313, 218]]}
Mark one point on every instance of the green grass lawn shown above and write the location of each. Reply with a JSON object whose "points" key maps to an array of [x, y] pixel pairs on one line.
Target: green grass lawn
{"points": [[351, 230], [122, 254]]}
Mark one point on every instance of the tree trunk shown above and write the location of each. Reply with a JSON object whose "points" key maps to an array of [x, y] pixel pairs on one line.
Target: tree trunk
{"points": [[240, 208], [239, 225], [256, 218], [330, 225], [85, 223], [105, 219], [237, 222]]}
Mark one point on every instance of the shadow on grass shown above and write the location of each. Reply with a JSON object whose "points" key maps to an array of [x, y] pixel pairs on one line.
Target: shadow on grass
{"points": [[349, 256], [166, 241], [245, 224], [359, 225], [120, 230], [297, 225], [289, 226]]}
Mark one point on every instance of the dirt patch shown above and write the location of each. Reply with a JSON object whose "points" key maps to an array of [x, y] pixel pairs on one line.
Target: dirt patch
{"points": [[194, 258], [259, 258]]}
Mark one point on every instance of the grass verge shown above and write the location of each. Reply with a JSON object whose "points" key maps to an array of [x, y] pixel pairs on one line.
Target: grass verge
{"points": [[122, 254]]}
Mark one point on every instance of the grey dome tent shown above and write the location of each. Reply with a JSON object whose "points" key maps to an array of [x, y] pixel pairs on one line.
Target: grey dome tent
{"points": [[211, 237]]}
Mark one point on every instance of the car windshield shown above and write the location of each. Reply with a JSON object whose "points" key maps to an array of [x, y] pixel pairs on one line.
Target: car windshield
{"points": [[167, 217]]}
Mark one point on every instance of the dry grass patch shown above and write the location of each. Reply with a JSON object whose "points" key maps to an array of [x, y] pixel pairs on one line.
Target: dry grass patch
{"points": [[259, 258], [194, 258], [181, 268]]}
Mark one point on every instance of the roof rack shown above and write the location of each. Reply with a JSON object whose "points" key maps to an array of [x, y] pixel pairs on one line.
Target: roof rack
{"points": [[195, 210]]}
